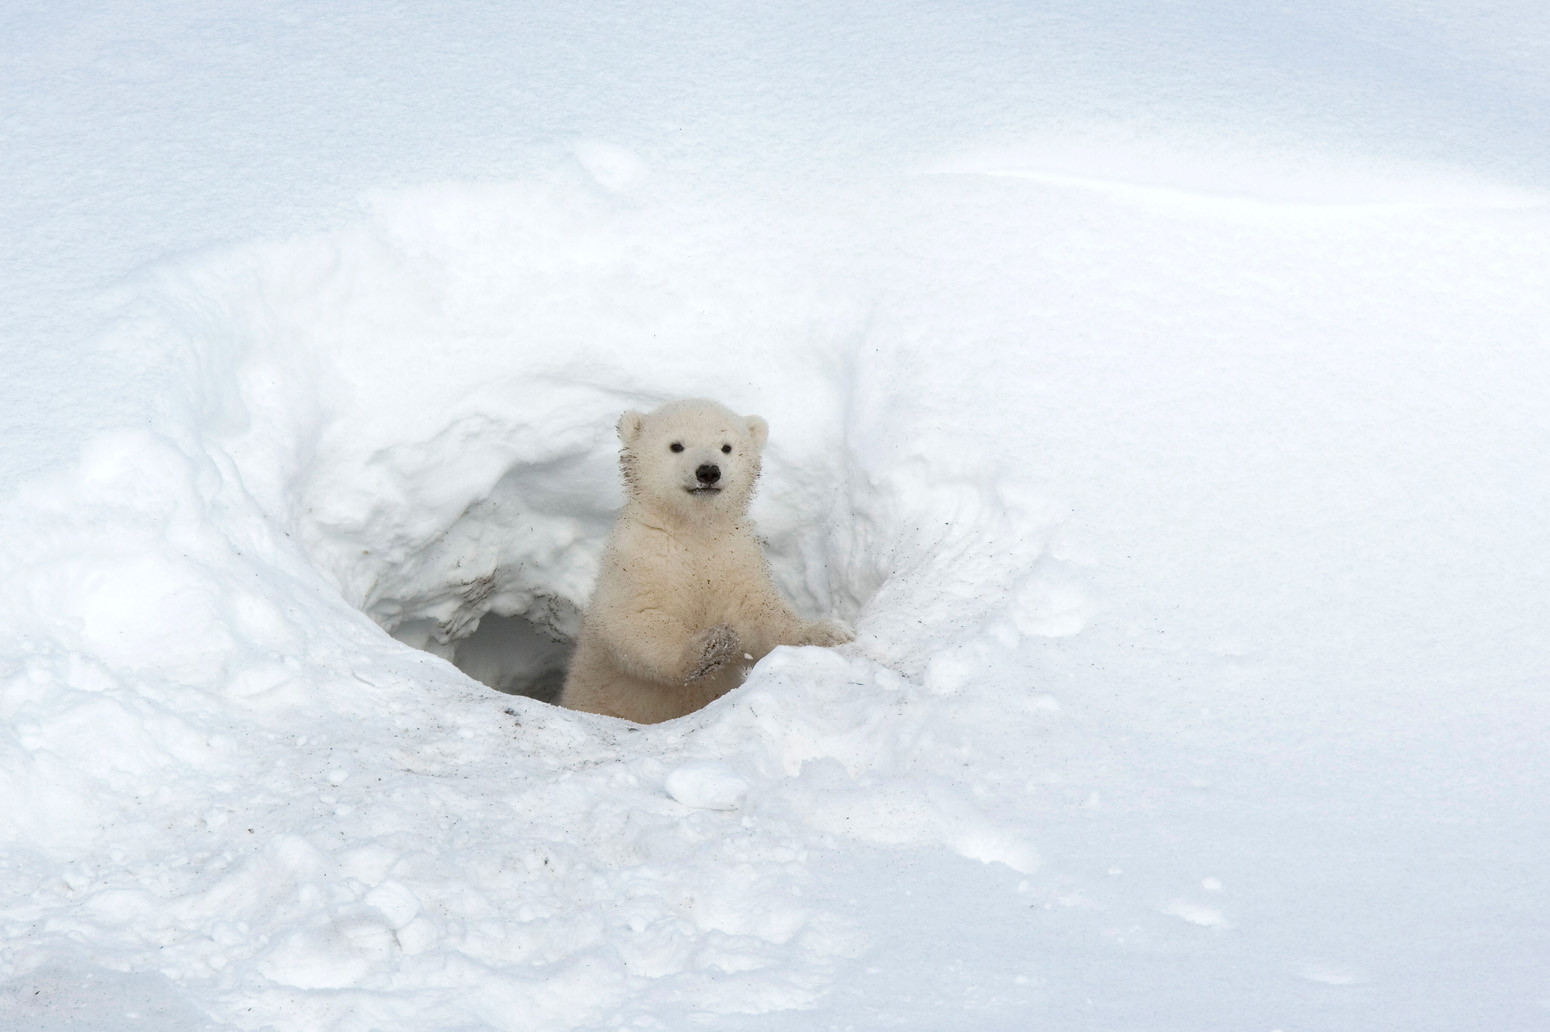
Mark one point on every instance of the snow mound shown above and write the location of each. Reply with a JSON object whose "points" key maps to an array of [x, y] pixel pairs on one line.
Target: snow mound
{"points": [[401, 434], [425, 404]]}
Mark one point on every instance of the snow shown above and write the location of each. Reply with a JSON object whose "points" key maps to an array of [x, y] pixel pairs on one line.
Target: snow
{"points": [[1160, 393], [706, 786]]}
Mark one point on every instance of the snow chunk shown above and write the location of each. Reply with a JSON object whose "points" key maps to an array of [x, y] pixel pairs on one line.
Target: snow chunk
{"points": [[1196, 914], [396, 902], [707, 785], [314, 960]]}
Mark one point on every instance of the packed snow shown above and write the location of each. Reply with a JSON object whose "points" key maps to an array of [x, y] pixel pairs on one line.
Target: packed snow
{"points": [[1159, 392]]}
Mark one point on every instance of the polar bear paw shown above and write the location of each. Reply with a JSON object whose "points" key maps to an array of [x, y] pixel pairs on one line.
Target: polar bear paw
{"points": [[827, 633], [712, 650]]}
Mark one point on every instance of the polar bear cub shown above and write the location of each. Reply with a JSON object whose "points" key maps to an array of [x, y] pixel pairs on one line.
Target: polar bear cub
{"points": [[684, 603]]}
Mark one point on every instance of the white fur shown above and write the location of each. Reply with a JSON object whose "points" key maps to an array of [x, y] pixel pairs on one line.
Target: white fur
{"points": [[684, 604]]}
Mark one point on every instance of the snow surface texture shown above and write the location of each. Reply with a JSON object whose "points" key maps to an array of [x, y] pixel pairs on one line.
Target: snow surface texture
{"points": [[1184, 478]]}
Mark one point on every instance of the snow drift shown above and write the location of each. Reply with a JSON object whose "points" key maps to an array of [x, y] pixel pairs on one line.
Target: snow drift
{"points": [[412, 419]]}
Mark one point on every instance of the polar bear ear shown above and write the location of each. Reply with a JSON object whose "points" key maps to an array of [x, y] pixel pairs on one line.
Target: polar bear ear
{"points": [[630, 426], [759, 430]]}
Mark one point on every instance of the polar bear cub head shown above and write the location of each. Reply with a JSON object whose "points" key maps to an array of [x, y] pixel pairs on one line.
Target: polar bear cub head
{"points": [[691, 460]]}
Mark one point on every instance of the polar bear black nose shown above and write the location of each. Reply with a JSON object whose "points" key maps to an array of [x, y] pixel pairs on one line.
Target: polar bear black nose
{"points": [[708, 473]]}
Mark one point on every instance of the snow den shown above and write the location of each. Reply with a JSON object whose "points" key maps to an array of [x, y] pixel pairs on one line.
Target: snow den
{"points": [[426, 404]]}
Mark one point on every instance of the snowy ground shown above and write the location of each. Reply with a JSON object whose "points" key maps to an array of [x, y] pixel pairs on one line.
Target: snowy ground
{"points": [[1160, 392]]}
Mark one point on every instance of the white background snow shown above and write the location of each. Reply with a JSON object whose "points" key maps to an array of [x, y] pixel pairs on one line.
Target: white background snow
{"points": [[1160, 389]]}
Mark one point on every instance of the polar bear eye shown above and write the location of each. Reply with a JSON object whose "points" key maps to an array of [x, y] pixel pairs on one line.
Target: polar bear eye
{"points": [[675, 446], [726, 449]]}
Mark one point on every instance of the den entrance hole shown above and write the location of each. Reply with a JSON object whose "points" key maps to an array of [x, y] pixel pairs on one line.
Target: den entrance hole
{"points": [[491, 576], [511, 654]]}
